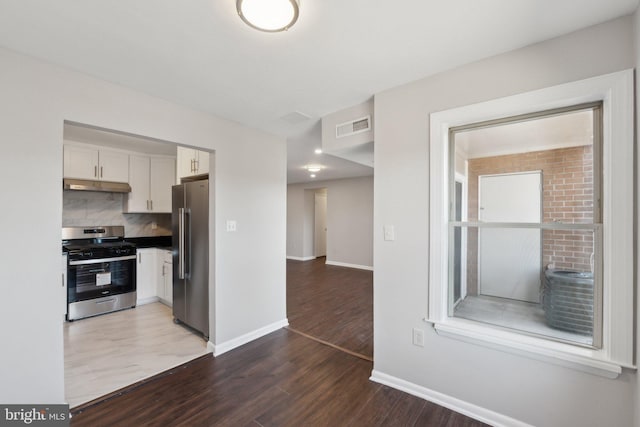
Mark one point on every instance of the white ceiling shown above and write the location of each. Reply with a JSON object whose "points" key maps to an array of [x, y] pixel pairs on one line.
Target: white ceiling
{"points": [[200, 54], [547, 133]]}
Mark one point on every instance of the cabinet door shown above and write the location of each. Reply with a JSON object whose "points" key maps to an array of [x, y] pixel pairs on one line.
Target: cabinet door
{"points": [[168, 282], [80, 162], [114, 166], [186, 158], [138, 199], [163, 176], [202, 162], [146, 276]]}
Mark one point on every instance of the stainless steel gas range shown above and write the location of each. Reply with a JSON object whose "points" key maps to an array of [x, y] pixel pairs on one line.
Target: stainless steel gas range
{"points": [[101, 270]]}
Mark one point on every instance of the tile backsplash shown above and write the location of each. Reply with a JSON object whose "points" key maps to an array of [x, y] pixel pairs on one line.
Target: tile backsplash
{"points": [[87, 208]]}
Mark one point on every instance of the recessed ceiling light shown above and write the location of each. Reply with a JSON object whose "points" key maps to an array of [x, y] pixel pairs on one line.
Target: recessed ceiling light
{"points": [[318, 151], [313, 168], [268, 15], [313, 175]]}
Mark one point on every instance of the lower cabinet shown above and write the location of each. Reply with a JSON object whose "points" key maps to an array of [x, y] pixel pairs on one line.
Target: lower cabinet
{"points": [[165, 278], [146, 276], [154, 276]]}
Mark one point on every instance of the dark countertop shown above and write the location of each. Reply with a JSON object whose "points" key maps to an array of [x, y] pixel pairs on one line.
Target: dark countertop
{"points": [[150, 242]]}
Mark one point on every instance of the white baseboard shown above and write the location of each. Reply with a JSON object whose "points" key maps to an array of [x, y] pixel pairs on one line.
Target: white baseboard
{"points": [[344, 264], [149, 300], [297, 258], [221, 348], [477, 412]]}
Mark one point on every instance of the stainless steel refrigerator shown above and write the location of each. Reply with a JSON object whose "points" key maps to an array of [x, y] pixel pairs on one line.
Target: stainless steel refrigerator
{"points": [[190, 229]]}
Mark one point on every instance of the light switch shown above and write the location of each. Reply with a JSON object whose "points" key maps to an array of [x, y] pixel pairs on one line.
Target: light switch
{"points": [[389, 233], [231, 225]]}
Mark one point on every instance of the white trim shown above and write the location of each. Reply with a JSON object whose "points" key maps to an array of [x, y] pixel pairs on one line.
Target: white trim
{"points": [[344, 264], [479, 413], [531, 347], [229, 345], [297, 258], [148, 300], [616, 92]]}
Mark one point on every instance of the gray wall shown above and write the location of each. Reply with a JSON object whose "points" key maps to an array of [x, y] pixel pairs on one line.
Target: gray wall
{"points": [[532, 391], [249, 187], [349, 220]]}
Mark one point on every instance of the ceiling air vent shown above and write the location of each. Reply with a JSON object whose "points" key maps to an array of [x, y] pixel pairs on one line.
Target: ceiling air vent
{"points": [[355, 126]]}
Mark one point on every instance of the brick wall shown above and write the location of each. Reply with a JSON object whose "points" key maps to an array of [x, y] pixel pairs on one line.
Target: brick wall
{"points": [[567, 186]]}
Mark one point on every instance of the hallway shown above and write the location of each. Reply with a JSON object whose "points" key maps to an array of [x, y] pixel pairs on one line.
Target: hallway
{"points": [[332, 304]]}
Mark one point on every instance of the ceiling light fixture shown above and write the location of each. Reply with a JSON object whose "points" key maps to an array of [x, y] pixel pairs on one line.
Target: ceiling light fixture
{"points": [[313, 168], [271, 16], [318, 151], [313, 175]]}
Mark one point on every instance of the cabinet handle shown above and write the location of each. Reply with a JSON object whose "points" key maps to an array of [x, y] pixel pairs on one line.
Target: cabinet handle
{"points": [[196, 165], [147, 205], [151, 203], [139, 259], [100, 171], [163, 272], [95, 171]]}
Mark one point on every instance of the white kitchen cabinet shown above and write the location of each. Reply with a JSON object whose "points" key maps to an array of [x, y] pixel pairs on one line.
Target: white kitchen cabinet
{"points": [[93, 163], [192, 162], [165, 277], [146, 276], [151, 179]]}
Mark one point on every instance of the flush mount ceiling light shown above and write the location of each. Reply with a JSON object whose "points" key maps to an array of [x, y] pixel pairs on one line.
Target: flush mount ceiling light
{"points": [[268, 15]]}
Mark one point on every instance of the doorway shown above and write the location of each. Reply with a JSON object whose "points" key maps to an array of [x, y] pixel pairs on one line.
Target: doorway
{"points": [[320, 223], [510, 258]]}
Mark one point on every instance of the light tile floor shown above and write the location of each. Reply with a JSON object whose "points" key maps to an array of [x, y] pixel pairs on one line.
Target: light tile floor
{"points": [[512, 314], [105, 353]]}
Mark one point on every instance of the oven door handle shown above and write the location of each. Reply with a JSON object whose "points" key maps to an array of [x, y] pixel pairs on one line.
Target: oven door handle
{"points": [[98, 261], [181, 245]]}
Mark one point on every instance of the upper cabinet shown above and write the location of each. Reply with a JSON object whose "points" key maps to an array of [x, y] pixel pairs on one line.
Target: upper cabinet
{"points": [[151, 179], [93, 163], [192, 162]]}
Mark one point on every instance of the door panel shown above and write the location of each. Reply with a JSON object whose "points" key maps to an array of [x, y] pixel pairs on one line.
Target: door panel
{"points": [[197, 287], [510, 259], [179, 301]]}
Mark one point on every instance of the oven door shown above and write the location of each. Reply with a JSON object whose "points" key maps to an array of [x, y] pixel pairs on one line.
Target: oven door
{"points": [[96, 278]]}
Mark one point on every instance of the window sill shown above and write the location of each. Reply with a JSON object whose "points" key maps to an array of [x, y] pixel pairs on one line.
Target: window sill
{"points": [[582, 359]]}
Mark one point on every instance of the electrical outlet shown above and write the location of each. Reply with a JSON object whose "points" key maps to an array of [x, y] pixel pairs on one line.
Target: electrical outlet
{"points": [[418, 337], [232, 225]]}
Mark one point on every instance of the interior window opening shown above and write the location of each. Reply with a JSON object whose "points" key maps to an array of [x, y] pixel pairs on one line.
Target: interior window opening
{"points": [[525, 224]]}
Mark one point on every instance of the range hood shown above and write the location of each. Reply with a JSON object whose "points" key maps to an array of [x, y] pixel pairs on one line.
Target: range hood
{"points": [[104, 186]]}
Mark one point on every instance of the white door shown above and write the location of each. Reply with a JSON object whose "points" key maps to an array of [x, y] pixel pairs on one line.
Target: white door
{"points": [[509, 259], [162, 176], [114, 166], [138, 199], [80, 162], [321, 224]]}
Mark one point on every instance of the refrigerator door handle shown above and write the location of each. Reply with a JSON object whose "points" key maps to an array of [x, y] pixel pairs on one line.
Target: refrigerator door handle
{"points": [[181, 245]]}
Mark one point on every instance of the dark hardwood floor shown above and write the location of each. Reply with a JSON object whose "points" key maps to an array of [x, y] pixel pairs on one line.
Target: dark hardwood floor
{"points": [[334, 304], [282, 379]]}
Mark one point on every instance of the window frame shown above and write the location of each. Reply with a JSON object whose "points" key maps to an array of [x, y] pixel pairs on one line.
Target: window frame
{"points": [[615, 91]]}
